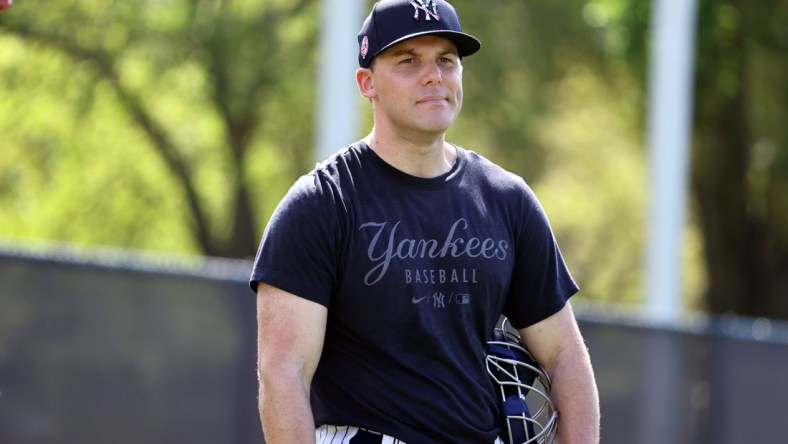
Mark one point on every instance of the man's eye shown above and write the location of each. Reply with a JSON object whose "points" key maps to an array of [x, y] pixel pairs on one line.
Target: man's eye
{"points": [[408, 61]]}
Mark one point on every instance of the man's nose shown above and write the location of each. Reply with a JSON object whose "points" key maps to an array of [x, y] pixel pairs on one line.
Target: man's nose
{"points": [[433, 73]]}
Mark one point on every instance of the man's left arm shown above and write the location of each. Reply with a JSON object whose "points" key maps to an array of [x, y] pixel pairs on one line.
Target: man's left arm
{"points": [[557, 344]]}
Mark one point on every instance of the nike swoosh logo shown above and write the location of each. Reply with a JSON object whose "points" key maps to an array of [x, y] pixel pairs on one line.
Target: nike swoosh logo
{"points": [[416, 300]]}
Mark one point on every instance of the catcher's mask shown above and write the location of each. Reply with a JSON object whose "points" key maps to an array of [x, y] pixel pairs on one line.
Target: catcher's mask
{"points": [[527, 414]]}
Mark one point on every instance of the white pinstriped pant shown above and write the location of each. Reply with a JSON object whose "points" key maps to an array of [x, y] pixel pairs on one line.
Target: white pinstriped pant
{"points": [[331, 434]]}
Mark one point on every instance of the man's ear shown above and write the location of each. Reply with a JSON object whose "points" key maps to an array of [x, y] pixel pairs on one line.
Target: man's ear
{"points": [[366, 85]]}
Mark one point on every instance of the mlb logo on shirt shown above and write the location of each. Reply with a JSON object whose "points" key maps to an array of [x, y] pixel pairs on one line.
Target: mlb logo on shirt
{"points": [[463, 298]]}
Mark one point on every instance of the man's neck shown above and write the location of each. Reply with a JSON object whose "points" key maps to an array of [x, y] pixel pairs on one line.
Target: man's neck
{"points": [[427, 158]]}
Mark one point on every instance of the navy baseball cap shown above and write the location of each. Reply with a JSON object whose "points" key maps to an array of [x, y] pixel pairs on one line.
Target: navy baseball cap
{"points": [[392, 21]]}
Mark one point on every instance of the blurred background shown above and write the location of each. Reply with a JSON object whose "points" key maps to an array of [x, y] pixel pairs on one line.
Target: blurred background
{"points": [[143, 145]]}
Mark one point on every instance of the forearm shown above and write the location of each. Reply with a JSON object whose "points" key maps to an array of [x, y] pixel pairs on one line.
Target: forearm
{"points": [[285, 411], [574, 394], [290, 340]]}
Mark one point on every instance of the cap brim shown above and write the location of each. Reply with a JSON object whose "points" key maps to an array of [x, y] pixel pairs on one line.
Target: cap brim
{"points": [[466, 43]]}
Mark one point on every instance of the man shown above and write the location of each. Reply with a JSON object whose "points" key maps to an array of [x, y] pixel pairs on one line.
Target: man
{"points": [[382, 272]]}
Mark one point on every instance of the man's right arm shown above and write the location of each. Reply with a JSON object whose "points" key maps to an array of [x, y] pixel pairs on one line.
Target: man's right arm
{"points": [[290, 334]]}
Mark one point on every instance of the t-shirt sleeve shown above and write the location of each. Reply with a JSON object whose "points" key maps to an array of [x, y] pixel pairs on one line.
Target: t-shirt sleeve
{"points": [[542, 283], [298, 251]]}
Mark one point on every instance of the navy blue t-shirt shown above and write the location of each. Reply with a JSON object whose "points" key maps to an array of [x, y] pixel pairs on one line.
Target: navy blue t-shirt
{"points": [[415, 273]]}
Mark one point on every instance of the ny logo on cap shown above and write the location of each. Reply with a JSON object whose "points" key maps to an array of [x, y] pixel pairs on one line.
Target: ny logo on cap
{"points": [[425, 6]]}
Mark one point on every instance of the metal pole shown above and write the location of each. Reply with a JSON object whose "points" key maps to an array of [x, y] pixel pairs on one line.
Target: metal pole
{"points": [[336, 118], [669, 124]]}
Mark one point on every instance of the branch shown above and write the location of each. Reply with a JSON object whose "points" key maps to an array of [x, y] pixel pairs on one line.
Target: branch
{"points": [[241, 127], [104, 63]]}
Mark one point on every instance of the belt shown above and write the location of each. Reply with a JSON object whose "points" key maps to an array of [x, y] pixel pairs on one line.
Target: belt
{"points": [[366, 437], [331, 434]]}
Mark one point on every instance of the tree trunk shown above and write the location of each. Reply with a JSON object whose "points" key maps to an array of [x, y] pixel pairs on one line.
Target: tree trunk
{"points": [[745, 256]]}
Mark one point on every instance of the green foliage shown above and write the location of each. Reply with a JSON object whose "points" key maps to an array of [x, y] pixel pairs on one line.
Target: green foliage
{"points": [[177, 125], [553, 97], [594, 186], [226, 80], [143, 116], [739, 164], [71, 167]]}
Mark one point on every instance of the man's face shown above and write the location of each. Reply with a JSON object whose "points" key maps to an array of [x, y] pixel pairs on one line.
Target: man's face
{"points": [[416, 87]]}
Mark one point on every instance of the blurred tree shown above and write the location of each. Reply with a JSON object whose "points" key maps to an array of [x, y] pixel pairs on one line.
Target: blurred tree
{"points": [[201, 80], [180, 123], [740, 164], [210, 89], [740, 150], [553, 97], [531, 71]]}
